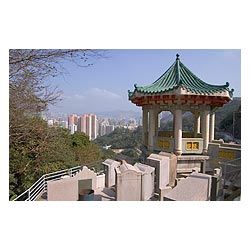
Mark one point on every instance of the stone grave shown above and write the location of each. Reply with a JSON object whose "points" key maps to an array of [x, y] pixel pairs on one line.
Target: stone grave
{"points": [[109, 170], [165, 169], [148, 175], [68, 189], [128, 182], [196, 187]]}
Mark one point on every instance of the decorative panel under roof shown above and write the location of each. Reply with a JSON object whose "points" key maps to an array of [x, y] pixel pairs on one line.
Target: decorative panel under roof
{"points": [[178, 75]]}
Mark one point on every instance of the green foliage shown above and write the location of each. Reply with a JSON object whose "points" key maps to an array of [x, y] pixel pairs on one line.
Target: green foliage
{"points": [[130, 152], [84, 150], [122, 138], [35, 148], [79, 139], [46, 150]]}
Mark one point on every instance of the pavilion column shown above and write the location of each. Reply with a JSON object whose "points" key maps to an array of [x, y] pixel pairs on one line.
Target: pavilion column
{"points": [[197, 124], [173, 126], [211, 126], [205, 130], [151, 132], [178, 131], [144, 125], [156, 121]]}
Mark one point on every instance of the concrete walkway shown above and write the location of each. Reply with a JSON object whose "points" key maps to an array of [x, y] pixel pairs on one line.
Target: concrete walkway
{"points": [[104, 194]]}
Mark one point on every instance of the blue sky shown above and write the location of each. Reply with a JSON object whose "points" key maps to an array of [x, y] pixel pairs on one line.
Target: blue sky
{"points": [[104, 85]]}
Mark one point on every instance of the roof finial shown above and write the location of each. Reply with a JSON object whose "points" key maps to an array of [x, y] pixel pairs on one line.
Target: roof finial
{"points": [[177, 57]]}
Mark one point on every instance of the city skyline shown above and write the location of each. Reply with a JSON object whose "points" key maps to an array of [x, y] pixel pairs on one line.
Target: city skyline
{"points": [[104, 85], [86, 123], [91, 124]]}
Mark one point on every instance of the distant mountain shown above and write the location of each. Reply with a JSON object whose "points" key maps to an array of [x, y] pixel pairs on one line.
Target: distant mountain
{"points": [[120, 114], [228, 119], [224, 111]]}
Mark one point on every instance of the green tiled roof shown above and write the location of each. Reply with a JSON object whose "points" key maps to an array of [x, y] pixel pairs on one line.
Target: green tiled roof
{"points": [[179, 75]]}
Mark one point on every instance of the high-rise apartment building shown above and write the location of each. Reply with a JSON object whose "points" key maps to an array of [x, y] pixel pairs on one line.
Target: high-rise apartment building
{"points": [[88, 126], [102, 130], [72, 128], [64, 124], [91, 126], [105, 128], [73, 119], [79, 124], [84, 123], [93, 133]]}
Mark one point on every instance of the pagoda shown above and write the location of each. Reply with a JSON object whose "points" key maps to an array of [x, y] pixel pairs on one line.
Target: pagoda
{"points": [[179, 90]]}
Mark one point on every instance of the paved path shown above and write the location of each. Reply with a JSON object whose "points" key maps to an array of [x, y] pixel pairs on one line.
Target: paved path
{"points": [[104, 194]]}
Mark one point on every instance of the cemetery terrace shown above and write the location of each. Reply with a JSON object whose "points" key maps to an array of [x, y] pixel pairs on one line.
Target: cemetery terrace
{"points": [[176, 165]]}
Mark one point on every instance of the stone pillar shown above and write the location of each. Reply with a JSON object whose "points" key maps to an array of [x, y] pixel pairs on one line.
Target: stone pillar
{"points": [[205, 130], [156, 121], [211, 126], [178, 132], [197, 124], [216, 185], [144, 125], [151, 132], [173, 128]]}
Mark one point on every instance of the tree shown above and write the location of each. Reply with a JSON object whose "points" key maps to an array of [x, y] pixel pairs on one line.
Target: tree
{"points": [[41, 150], [29, 94], [34, 148], [86, 151], [122, 138]]}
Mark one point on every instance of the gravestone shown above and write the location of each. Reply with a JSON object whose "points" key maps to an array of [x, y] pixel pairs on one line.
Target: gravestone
{"points": [[172, 160], [65, 189], [165, 169], [109, 170], [148, 175], [196, 187], [68, 189], [128, 182]]}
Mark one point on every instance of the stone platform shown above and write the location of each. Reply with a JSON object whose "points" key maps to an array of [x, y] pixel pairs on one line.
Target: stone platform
{"points": [[186, 163], [196, 187]]}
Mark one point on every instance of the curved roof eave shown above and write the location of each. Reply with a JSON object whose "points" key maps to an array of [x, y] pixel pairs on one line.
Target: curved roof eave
{"points": [[178, 75]]}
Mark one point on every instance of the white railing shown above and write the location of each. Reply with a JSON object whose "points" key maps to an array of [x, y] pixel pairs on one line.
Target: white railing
{"points": [[40, 186], [231, 166], [231, 170]]}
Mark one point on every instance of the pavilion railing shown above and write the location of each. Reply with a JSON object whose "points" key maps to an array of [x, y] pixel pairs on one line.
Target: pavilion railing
{"points": [[185, 134], [231, 176]]}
